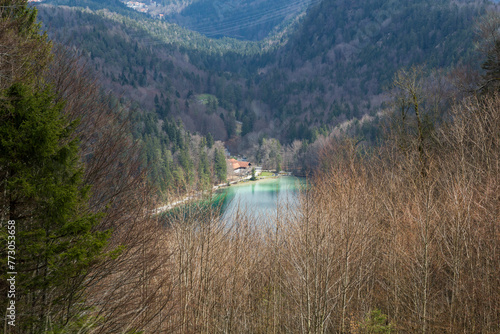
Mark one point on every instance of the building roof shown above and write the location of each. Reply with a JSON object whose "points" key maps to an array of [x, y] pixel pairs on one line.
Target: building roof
{"points": [[239, 164]]}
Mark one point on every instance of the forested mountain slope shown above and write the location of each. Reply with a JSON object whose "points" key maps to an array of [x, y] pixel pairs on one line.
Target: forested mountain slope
{"points": [[345, 54], [246, 20], [161, 76], [250, 20], [149, 84], [334, 68]]}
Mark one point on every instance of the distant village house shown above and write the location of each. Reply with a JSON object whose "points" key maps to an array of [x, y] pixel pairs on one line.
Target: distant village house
{"points": [[239, 166], [139, 6]]}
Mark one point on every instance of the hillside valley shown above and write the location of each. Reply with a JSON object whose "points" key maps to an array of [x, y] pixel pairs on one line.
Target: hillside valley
{"points": [[334, 67], [332, 70]]}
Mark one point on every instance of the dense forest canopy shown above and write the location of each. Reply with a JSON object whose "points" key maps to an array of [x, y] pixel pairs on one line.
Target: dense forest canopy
{"points": [[248, 20], [329, 73], [245, 20], [333, 67]]}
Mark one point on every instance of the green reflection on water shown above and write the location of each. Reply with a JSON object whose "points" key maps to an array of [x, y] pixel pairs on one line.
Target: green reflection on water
{"points": [[260, 198]]}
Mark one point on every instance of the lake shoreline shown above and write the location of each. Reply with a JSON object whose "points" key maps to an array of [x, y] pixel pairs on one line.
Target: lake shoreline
{"points": [[198, 195]]}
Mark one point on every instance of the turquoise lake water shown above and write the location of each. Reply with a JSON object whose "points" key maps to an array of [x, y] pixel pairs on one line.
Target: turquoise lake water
{"points": [[260, 199]]}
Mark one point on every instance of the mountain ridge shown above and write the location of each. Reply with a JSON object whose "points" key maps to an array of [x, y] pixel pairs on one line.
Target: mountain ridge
{"points": [[333, 68]]}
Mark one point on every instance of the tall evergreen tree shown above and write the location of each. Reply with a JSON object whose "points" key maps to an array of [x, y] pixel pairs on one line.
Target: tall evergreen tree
{"points": [[42, 192], [25, 50], [220, 166], [41, 188], [210, 140], [204, 169]]}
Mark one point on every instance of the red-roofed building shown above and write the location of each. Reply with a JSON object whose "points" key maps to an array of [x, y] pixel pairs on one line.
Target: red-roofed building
{"points": [[239, 166]]}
